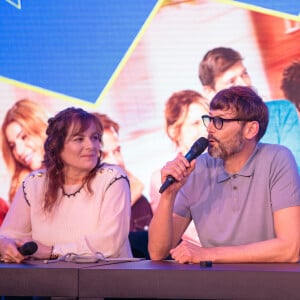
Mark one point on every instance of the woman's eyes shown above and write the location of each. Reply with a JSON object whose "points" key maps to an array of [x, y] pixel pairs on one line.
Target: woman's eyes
{"points": [[95, 137], [78, 139]]}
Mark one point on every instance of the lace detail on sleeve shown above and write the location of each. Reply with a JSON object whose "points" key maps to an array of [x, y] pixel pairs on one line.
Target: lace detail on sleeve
{"points": [[117, 178], [24, 193]]}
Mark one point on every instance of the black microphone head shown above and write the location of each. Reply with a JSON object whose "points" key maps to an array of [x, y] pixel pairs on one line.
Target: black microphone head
{"points": [[28, 248], [198, 147]]}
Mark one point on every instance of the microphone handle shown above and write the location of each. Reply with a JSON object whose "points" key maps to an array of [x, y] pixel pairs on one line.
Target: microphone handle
{"points": [[170, 179]]}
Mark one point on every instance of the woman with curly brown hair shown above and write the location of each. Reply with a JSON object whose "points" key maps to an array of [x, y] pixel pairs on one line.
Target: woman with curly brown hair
{"points": [[76, 204]]}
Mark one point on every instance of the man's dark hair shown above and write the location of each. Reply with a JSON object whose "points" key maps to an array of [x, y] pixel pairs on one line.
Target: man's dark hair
{"points": [[215, 62], [247, 104]]}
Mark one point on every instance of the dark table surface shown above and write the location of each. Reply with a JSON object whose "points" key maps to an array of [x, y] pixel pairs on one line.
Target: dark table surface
{"points": [[149, 279], [35, 278], [167, 279]]}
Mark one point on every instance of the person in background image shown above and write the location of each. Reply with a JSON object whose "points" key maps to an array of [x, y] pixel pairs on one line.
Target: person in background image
{"points": [[290, 83], [183, 124], [77, 204], [243, 195], [223, 67], [23, 134], [141, 212]]}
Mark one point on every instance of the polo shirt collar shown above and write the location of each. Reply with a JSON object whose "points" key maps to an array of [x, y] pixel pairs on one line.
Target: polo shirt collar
{"points": [[246, 171]]}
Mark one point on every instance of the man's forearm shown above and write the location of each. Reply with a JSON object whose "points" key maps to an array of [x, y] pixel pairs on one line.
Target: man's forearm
{"points": [[274, 250]]}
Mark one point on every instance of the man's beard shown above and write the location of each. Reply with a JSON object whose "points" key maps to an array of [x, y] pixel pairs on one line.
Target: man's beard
{"points": [[224, 151]]}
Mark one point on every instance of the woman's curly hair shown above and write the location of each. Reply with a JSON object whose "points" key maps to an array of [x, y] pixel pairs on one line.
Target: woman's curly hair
{"points": [[77, 120]]}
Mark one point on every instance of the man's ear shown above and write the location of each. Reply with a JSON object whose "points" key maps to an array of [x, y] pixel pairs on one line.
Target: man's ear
{"points": [[208, 92], [251, 129]]}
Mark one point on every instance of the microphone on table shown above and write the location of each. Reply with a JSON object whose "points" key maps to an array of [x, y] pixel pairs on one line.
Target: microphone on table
{"points": [[198, 147], [28, 248]]}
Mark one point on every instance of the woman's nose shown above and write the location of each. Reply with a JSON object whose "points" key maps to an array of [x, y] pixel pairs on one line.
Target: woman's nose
{"points": [[90, 143]]}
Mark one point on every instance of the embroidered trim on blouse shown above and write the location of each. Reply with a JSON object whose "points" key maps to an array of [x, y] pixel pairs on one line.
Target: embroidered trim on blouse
{"points": [[24, 193], [117, 178], [72, 194], [31, 175]]}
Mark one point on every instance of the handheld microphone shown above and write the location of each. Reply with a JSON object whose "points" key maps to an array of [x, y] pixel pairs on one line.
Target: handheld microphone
{"points": [[198, 147], [28, 248]]}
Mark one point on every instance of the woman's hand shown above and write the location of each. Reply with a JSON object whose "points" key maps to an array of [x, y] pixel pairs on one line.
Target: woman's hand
{"points": [[43, 251], [9, 250]]}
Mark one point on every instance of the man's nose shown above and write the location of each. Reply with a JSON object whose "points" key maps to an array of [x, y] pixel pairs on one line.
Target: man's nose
{"points": [[210, 127]]}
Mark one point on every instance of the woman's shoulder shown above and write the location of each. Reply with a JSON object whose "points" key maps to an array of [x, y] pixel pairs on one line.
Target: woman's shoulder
{"points": [[34, 181], [109, 168], [108, 174], [33, 186], [36, 175], [111, 171]]}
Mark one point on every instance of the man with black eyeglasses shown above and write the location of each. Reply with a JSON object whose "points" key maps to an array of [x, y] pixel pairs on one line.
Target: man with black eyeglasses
{"points": [[243, 195], [222, 68]]}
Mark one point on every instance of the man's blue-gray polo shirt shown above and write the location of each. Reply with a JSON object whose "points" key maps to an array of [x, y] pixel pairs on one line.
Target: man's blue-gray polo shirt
{"points": [[235, 209]]}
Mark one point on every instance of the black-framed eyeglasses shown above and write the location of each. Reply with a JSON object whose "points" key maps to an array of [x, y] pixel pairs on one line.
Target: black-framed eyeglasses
{"points": [[218, 121]]}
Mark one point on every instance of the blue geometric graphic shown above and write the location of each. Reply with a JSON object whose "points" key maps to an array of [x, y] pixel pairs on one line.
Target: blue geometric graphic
{"points": [[70, 47], [291, 7]]}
